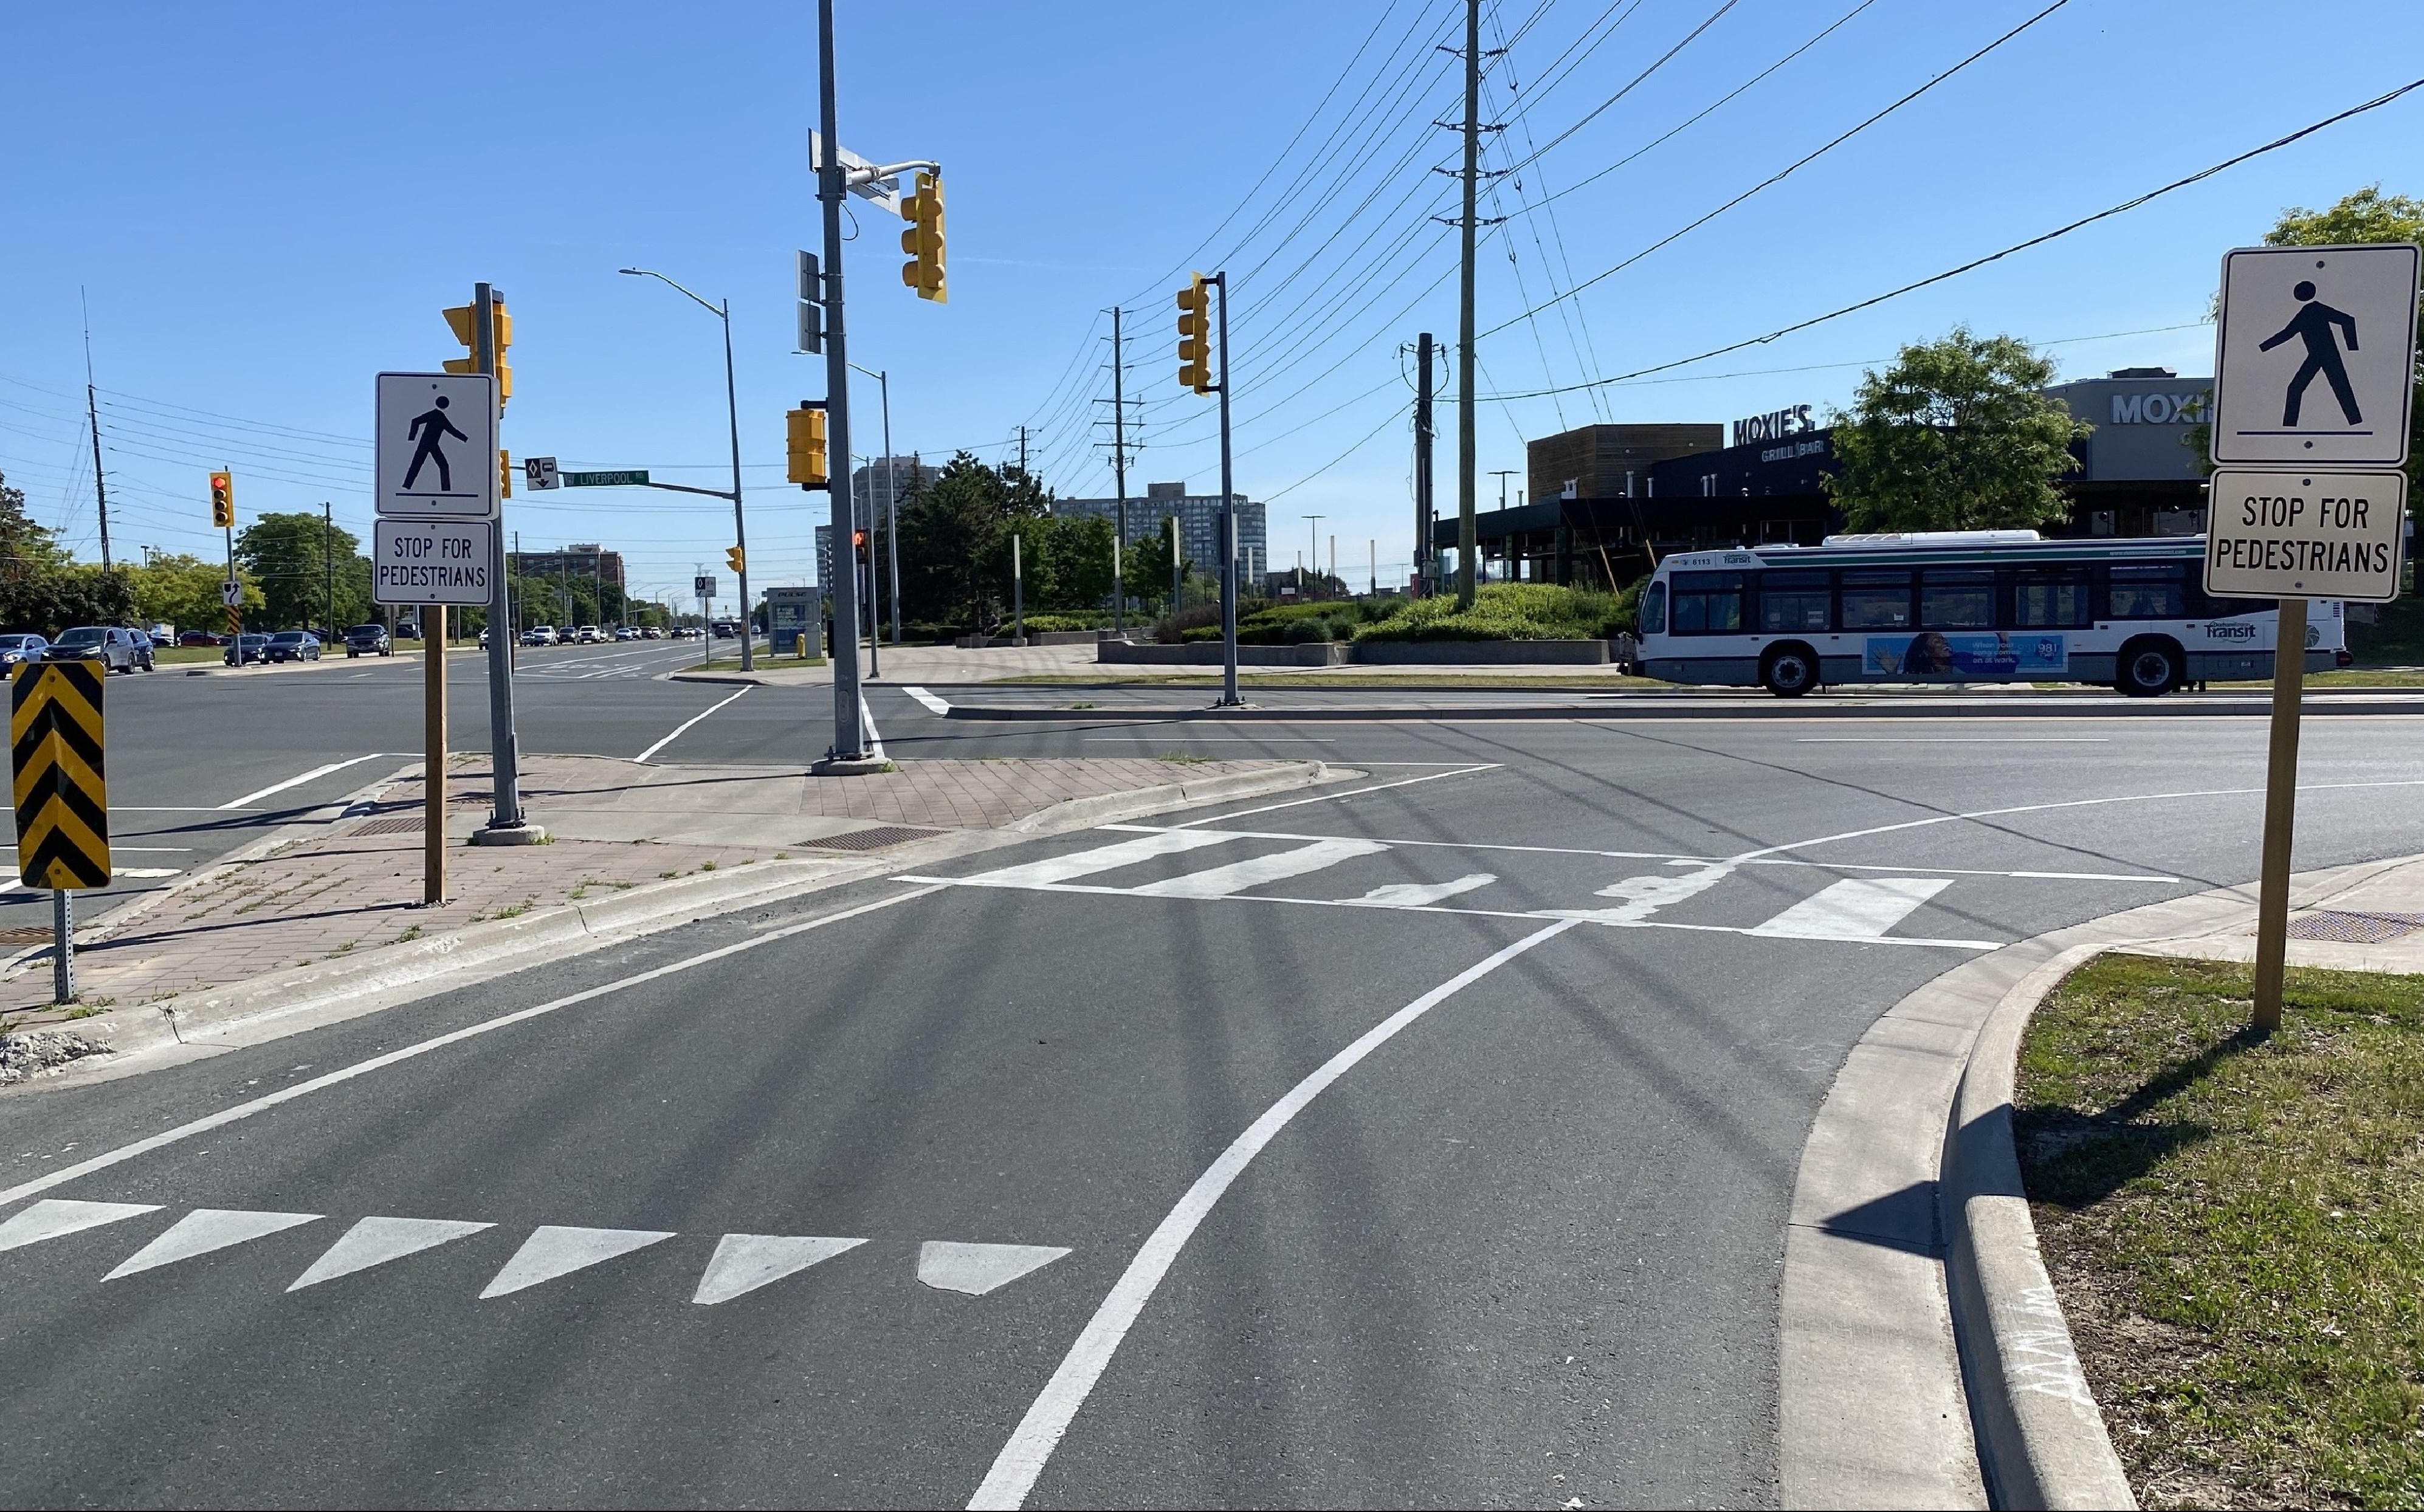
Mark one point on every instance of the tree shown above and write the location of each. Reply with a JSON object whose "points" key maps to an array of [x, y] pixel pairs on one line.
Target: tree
{"points": [[288, 556], [183, 591], [1957, 435], [41, 588], [955, 529], [1147, 570]]}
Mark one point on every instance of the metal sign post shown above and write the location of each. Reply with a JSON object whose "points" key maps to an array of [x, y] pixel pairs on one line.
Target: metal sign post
{"points": [[2315, 354]]}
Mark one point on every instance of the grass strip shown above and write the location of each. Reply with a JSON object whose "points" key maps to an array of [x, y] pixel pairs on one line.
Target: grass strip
{"points": [[2235, 1225]]}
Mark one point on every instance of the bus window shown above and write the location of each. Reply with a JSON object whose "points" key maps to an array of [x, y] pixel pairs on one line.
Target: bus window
{"points": [[2050, 599], [1876, 600], [1653, 610], [2203, 605], [1957, 598], [1793, 599], [1708, 603], [2149, 591]]}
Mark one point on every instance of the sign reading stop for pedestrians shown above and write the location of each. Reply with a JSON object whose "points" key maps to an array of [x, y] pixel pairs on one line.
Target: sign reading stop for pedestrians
{"points": [[431, 561], [438, 446], [2286, 534], [2315, 356]]}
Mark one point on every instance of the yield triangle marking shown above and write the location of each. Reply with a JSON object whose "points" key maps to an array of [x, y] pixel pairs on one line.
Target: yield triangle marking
{"points": [[55, 1216], [376, 1241], [744, 1262], [206, 1229], [552, 1250], [979, 1268]]}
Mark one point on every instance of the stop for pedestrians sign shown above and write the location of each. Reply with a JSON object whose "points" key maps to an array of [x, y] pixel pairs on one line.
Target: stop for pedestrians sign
{"points": [[2279, 534], [2315, 356]]}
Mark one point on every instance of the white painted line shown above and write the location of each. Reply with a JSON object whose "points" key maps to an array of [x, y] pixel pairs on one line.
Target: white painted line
{"points": [[1949, 740], [57, 1215], [1352, 792], [979, 1268], [1102, 858], [380, 1062], [206, 1229], [678, 728], [1415, 894], [744, 1262], [934, 704], [141, 849], [554, 1250], [145, 873], [376, 1241], [1862, 908], [1229, 740], [277, 787], [1219, 882], [874, 740], [1022, 1460]]}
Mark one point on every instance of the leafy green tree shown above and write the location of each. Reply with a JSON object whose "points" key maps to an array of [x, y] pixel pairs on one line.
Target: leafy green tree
{"points": [[41, 588], [1957, 435], [1147, 570], [955, 528], [288, 556], [183, 591]]}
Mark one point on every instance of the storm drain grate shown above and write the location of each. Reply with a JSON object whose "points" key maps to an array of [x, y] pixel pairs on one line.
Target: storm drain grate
{"points": [[392, 825], [874, 839], [2354, 929]]}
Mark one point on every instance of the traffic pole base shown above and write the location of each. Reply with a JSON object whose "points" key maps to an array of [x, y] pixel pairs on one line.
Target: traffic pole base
{"points": [[862, 766], [523, 834]]}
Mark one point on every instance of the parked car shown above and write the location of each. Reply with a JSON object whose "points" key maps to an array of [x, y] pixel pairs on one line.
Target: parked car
{"points": [[291, 645], [408, 630], [368, 640], [146, 650], [16, 648], [652, 632], [113, 647], [244, 648], [539, 635], [627, 632], [200, 638]]}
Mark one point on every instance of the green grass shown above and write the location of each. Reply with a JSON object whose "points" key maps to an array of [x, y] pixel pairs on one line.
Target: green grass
{"points": [[2396, 639], [2235, 1225], [1414, 678]]}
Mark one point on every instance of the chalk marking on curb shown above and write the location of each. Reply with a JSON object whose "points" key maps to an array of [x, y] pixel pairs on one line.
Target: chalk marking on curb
{"points": [[1022, 1460], [641, 758]]}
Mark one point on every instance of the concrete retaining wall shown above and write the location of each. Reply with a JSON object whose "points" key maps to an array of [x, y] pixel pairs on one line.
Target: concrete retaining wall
{"points": [[1369, 653]]}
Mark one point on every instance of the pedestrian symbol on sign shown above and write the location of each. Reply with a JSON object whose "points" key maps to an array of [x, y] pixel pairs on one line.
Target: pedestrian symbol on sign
{"points": [[436, 431], [427, 428], [2312, 324]]}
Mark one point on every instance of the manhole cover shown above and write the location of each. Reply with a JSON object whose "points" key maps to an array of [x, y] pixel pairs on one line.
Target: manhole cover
{"points": [[2354, 929], [874, 839]]}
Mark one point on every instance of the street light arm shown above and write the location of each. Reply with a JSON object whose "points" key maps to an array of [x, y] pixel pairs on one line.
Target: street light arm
{"points": [[651, 273]]}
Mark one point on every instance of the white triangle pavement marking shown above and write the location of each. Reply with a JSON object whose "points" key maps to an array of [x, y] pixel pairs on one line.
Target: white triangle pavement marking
{"points": [[206, 1229], [551, 1251], [1416, 893], [376, 1241], [1859, 908], [55, 1216], [744, 1262], [1102, 858], [979, 1268], [1219, 882]]}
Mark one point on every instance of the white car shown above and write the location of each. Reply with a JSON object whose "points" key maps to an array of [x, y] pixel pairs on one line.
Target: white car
{"points": [[539, 635], [586, 635]]}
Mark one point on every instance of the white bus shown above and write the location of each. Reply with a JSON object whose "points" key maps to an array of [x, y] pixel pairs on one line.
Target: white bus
{"points": [[1961, 606]]}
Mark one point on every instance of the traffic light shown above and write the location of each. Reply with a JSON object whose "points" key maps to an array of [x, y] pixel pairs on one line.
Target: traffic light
{"points": [[462, 320], [858, 545], [222, 500], [923, 240], [737, 559], [504, 474], [504, 340], [1195, 335], [805, 432]]}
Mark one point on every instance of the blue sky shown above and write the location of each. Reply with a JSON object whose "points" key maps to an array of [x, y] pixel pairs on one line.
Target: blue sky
{"points": [[267, 204]]}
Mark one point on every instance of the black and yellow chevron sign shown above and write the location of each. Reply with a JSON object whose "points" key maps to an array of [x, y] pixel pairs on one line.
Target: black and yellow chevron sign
{"points": [[55, 745]]}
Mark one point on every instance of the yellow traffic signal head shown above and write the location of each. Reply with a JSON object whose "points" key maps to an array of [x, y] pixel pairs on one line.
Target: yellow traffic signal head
{"points": [[923, 240], [1195, 335], [735, 558], [805, 429], [222, 500], [461, 319], [504, 474]]}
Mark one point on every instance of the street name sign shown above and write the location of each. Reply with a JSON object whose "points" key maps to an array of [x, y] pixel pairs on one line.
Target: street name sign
{"points": [[2316, 356], [431, 561], [2289, 535], [627, 478], [436, 446], [538, 473]]}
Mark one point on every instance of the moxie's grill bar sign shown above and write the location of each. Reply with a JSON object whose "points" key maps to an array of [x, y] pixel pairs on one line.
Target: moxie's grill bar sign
{"points": [[1773, 426]]}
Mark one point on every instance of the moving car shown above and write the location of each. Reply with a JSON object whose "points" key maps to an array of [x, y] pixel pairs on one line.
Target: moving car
{"points": [[368, 640], [588, 635], [16, 648], [539, 635], [652, 632], [115, 649], [244, 648], [291, 645], [627, 632], [146, 650], [726, 629]]}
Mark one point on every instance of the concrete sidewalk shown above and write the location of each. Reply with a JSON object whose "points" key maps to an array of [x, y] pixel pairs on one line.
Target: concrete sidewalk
{"points": [[631, 848], [2365, 918]]}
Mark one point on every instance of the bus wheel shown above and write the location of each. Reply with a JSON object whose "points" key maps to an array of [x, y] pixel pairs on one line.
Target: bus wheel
{"points": [[1789, 671], [2150, 669]]}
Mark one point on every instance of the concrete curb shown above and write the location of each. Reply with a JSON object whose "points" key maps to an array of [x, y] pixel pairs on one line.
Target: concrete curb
{"points": [[300, 997], [1651, 706], [1923, 1357]]}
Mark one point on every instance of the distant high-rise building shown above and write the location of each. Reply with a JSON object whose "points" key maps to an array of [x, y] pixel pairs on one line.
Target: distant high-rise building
{"points": [[579, 560], [1199, 522]]}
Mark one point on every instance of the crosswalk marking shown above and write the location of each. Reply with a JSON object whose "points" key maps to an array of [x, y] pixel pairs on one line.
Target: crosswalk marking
{"points": [[1103, 858], [375, 1241], [206, 1229], [1858, 907], [744, 1262], [979, 1268], [1219, 882], [554, 1250], [1419, 894], [55, 1215]]}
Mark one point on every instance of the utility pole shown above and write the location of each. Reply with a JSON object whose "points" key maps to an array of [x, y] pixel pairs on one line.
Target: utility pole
{"points": [[1022, 449], [849, 752], [1422, 435], [889, 519], [1467, 533], [329, 560], [1177, 568], [93, 415], [1120, 483], [1374, 546]]}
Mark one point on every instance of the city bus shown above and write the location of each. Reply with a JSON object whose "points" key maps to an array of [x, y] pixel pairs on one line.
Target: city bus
{"points": [[1961, 606]]}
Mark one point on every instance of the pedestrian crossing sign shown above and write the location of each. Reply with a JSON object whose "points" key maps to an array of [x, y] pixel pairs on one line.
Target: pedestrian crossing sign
{"points": [[2314, 354], [436, 446]]}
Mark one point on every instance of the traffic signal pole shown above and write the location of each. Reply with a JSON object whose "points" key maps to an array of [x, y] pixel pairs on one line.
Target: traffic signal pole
{"points": [[848, 750], [507, 824], [1467, 527], [1229, 698]]}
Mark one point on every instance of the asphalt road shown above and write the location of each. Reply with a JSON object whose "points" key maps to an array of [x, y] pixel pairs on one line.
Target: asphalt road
{"points": [[1425, 1140]]}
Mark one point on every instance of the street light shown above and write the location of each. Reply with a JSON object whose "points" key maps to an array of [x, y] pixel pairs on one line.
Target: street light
{"points": [[732, 404], [891, 512]]}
